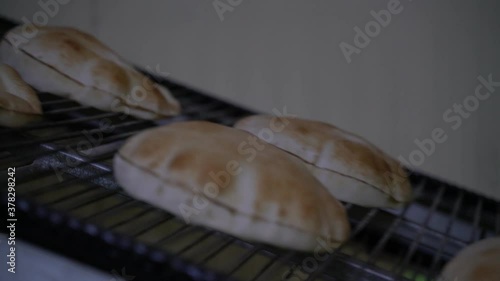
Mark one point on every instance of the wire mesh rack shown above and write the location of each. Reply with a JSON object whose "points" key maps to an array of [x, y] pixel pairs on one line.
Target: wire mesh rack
{"points": [[70, 203]]}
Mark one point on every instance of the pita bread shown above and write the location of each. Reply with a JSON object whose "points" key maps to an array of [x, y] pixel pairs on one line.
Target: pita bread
{"points": [[350, 167], [266, 194], [73, 64], [19, 103], [477, 262]]}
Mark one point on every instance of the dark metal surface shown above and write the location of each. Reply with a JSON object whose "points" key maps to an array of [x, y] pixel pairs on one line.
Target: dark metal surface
{"points": [[68, 201]]}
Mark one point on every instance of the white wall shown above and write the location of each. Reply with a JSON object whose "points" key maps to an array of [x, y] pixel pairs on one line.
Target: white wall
{"points": [[268, 54]]}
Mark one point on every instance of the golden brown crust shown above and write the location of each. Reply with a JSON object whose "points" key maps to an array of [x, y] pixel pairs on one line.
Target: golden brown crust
{"points": [[80, 57], [477, 262], [328, 147], [273, 186], [15, 94]]}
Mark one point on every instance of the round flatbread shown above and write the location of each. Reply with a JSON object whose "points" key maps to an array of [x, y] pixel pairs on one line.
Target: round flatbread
{"points": [[477, 262], [226, 179], [352, 169]]}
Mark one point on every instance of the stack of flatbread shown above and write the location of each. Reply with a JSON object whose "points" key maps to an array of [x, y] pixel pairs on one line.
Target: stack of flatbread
{"points": [[74, 64]]}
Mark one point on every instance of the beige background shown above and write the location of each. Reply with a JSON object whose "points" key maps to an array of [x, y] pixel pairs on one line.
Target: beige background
{"points": [[268, 54]]}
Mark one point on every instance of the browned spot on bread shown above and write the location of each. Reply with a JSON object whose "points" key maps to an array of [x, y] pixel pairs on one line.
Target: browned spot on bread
{"points": [[72, 45], [87, 37], [283, 212], [182, 161], [147, 150], [15, 104], [106, 72], [486, 272], [302, 129], [84, 39], [362, 157], [71, 52]]}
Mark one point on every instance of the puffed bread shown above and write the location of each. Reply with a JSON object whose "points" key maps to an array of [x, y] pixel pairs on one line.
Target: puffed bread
{"points": [[352, 169], [19, 103], [273, 199], [74, 64], [477, 262]]}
